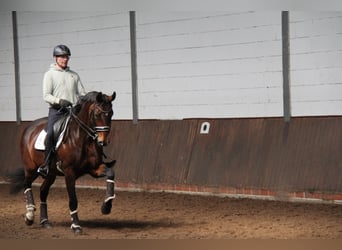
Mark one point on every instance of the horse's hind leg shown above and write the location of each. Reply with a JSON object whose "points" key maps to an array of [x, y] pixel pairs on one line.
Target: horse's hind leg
{"points": [[44, 192], [30, 207], [107, 204]]}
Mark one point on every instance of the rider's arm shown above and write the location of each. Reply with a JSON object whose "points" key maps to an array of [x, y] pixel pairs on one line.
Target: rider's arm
{"points": [[48, 90]]}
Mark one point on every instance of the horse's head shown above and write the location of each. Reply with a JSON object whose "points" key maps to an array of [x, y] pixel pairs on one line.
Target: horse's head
{"points": [[101, 113], [93, 114]]}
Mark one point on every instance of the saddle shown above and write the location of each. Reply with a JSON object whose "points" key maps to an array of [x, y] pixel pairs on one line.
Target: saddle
{"points": [[59, 129]]}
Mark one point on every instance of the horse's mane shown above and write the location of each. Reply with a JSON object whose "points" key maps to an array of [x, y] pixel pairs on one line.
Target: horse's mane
{"points": [[89, 97]]}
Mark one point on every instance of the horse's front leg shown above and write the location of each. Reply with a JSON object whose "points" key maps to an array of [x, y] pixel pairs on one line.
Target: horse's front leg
{"points": [[107, 204], [70, 182]]}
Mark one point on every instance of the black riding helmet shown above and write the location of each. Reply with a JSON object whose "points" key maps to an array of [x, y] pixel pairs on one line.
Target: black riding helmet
{"points": [[61, 50]]}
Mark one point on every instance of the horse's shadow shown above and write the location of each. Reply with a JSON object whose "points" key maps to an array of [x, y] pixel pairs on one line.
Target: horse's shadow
{"points": [[124, 224]]}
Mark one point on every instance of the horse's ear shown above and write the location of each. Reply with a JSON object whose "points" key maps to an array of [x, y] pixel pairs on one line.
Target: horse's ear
{"points": [[113, 96]]}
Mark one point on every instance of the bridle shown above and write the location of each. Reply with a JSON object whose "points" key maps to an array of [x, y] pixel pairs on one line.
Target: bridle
{"points": [[92, 131], [106, 112]]}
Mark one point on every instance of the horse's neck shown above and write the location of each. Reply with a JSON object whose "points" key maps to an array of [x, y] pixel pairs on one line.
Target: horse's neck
{"points": [[86, 135], [80, 125], [84, 115]]}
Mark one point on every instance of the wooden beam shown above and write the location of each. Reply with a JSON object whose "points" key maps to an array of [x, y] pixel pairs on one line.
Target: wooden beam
{"points": [[134, 66], [286, 65], [16, 66]]}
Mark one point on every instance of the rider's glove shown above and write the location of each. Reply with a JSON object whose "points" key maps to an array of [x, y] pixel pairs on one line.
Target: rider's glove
{"points": [[64, 103]]}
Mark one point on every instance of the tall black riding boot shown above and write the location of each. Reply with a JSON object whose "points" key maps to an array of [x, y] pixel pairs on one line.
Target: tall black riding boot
{"points": [[44, 169]]}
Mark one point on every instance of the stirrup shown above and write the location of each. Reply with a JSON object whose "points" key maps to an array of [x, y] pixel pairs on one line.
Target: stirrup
{"points": [[43, 171]]}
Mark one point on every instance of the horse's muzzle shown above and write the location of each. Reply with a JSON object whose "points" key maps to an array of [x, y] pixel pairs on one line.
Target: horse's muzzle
{"points": [[102, 139], [102, 142]]}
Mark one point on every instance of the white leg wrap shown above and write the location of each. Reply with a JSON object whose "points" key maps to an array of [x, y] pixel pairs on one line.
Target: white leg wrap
{"points": [[73, 212], [26, 190], [30, 212], [73, 226], [30, 207], [30, 215], [111, 181], [43, 220], [109, 198]]}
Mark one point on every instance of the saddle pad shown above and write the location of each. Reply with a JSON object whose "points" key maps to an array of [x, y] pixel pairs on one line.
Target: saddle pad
{"points": [[39, 143]]}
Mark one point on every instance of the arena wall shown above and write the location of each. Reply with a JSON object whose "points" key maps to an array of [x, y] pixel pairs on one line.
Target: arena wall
{"points": [[260, 157], [224, 68]]}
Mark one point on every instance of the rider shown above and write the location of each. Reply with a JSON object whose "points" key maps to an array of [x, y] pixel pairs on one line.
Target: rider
{"points": [[61, 89]]}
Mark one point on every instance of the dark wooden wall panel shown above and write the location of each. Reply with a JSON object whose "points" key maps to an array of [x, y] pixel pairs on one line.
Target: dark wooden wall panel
{"points": [[152, 151], [260, 153], [10, 134]]}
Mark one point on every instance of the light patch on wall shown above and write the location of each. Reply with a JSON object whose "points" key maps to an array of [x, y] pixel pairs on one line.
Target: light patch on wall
{"points": [[205, 127]]}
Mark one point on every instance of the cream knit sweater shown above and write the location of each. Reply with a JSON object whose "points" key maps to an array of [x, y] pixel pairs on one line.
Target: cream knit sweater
{"points": [[61, 84]]}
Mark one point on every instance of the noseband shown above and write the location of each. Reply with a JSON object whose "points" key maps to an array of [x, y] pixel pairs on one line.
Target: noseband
{"points": [[101, 128]]}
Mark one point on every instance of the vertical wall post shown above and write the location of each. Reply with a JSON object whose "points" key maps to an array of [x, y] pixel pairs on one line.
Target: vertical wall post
{"points": [[134, 74], [16, 66], [286, 65]]}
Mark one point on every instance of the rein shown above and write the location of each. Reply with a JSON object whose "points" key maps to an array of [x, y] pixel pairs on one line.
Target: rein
{"points": [[91, 132]]}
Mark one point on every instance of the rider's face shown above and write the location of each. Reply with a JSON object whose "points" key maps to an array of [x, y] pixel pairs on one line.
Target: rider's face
{"points": [[62, 61]]}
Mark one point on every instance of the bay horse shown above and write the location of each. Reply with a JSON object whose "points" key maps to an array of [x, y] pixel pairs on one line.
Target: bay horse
{"points": [[80, 153]]}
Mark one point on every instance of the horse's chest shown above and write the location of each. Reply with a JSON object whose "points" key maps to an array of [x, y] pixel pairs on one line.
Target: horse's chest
{"points": [[94, 161]]}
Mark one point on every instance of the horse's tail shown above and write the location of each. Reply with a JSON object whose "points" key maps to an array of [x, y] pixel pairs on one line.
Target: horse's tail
{"points": [[16, 179]]}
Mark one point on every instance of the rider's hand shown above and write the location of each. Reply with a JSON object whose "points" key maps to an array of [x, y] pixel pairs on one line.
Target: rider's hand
{"points": [[64, 103]]}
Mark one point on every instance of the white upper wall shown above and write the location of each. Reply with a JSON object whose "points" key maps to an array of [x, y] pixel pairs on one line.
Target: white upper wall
{"points": [[316, 63], [190, 64], [100, 54], [7, 84], [213, 64]]}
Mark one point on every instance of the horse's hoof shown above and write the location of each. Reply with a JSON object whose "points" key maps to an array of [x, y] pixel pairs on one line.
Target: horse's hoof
{"points": [[46, 224], [110, 164], [106, 207], [76, 229], [28, 221]]}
